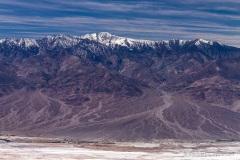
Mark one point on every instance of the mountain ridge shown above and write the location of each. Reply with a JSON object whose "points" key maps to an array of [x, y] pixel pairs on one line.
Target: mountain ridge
{"points": [[119, 89], [109, 43], [104, 38]]}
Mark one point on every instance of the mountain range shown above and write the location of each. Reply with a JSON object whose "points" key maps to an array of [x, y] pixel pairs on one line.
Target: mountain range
{"points": [[106, 87]]}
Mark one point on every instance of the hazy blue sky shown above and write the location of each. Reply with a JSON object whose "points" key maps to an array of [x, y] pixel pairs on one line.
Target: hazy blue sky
{"points": [[156, 20]]}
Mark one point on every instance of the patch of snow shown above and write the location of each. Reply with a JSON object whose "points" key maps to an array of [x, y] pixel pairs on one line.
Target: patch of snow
{"points": [[62, 40], [218, 69], [90, 36], [2, 40], [112, 40], [28, 42], [182, 42], [202, 41], [21, 42]]}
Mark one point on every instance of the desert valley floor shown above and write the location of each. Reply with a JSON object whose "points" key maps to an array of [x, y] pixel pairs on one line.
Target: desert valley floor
{"points": [[26, 148]]}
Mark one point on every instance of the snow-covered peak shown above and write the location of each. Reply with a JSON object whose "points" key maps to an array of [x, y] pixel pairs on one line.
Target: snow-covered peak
{"points": [[203, 41], [59, 36], [90, 36], [2, 40], [105, 35], [21, 42], [198, 42], [112, 40], [28, 42], [174, 42], [64, 41]]}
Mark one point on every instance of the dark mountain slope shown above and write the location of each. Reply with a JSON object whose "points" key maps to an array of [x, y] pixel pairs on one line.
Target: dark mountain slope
{"points": [[101, 86]]}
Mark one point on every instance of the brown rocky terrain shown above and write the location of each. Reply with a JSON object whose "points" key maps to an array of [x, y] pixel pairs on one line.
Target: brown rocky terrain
{"points": [[108, 87]]}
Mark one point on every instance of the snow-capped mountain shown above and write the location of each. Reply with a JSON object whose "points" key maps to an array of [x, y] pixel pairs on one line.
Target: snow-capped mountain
{"points": [[112, 40], [61, 40], [20, 42], [104, 38], [110, 87], [105, 43]]}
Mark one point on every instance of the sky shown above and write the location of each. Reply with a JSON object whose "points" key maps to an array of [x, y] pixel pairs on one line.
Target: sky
{"points": [[216, 20]]}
